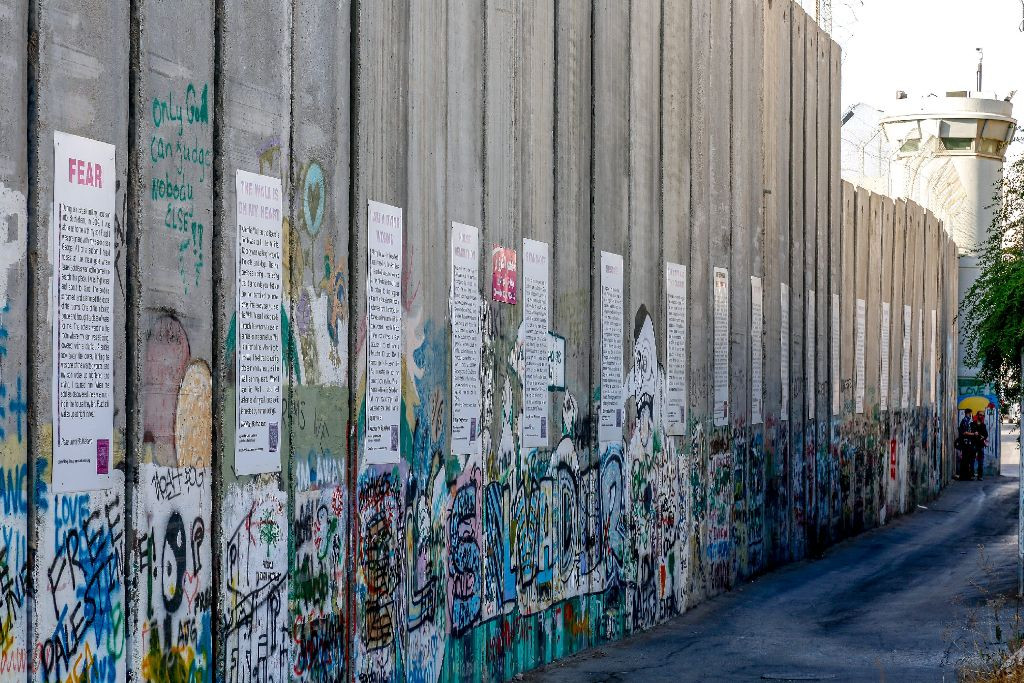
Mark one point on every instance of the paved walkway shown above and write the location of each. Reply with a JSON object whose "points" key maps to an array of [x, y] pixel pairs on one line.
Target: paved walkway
{"points": [[903, 603]]}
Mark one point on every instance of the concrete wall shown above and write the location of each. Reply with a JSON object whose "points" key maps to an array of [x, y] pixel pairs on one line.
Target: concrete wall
{"points": [[701, 133], [15, 568], [78, 82]]}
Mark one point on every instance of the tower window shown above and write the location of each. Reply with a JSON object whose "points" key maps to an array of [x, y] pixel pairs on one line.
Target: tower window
{"points": [[958, 144]]}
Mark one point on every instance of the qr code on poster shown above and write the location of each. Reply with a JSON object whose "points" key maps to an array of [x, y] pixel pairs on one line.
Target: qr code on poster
{"points": [[273, 437], [394, 437], [102, 456]]}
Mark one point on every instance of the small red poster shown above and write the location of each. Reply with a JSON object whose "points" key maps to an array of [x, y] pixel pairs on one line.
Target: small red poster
{"points": [[503, 280]]}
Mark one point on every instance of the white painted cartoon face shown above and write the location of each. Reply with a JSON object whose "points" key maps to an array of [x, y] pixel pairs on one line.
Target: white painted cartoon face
{"points": [[645, 373], [570, 412]]}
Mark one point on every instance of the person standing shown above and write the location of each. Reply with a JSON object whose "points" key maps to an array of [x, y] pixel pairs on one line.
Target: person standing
{"points": [[965, 442], [980, 441]]}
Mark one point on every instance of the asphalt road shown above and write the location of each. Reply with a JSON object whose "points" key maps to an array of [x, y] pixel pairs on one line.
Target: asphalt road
{"points": [[909, 602]]}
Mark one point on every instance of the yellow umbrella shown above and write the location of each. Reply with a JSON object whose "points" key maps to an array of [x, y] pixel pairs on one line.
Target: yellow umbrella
{"points": [[975, 403]]}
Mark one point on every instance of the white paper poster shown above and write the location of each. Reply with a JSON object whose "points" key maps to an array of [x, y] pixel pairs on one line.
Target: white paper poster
{"points": [[383, 333], [676, 358], [931, 346], [921, 352], [466, 339], [721, 377], [756, 353], [858, 359], [611, 417], [836, 395], [84, 183], [536, 302], [810, 355], [905, 361], [258, 366], [883, 395], [784, 348]]}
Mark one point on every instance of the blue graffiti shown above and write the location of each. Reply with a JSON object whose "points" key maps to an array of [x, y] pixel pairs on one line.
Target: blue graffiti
{"points": [[464, 559], [612, 519], [87, 559], [18, 407], [13, 489], [499, 583], [42, 504]]}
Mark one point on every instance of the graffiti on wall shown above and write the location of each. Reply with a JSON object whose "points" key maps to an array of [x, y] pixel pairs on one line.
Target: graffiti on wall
{"points": [[14, 567], [174, 574], [254, 601], [180, 160], [172, 554], [82, 628]]}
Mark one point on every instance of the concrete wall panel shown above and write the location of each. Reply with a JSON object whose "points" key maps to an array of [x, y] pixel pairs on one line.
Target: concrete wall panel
{"points": [[835, 321], [777, 106], [809, 225], [14, 327], [675, 247], [170, 332], [609, 233], [318, 287], [700, 272], [253, 107], [747, 261], [897, 460], [721, 461], [862, 406], [78, 72], [822, 395], [872, 246], [915, 298], [885, 408], [847, 357], [797, 290]]}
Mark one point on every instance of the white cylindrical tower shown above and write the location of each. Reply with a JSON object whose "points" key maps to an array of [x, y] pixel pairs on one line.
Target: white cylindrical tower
{"points": [[948, 156]]}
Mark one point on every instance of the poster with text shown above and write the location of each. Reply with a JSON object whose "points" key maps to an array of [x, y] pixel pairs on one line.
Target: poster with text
{"points": [[721, 371], [84, 183], [810, 353], [931, 353], [503, 275], [536, 302], [836, 402], [756, 351], [611, 419], [258, 366], [784, 348], [676, 358], [905, 360], [466, 339], [920, 354], [883, 392], [858, 358], [383, 334]]}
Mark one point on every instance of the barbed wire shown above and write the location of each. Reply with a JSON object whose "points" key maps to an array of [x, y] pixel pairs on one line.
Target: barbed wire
{"points": [[836, 17]]}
